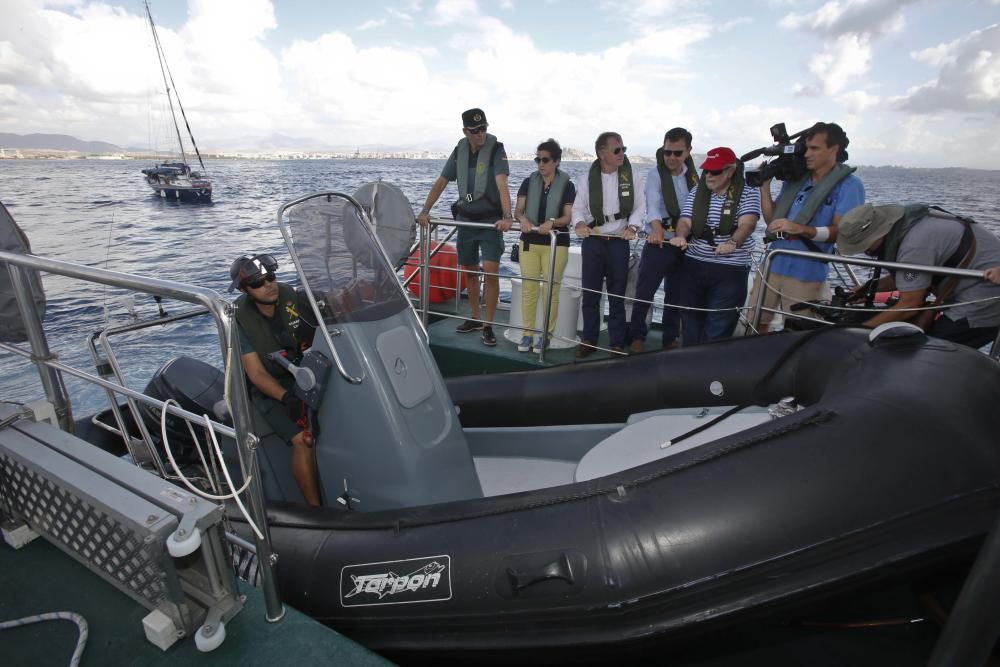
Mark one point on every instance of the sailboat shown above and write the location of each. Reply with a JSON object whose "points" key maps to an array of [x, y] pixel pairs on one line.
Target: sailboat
{"points": [[176, 180]]}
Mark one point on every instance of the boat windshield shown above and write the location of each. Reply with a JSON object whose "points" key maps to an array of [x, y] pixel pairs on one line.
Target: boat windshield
{"points": [[337, 256]]}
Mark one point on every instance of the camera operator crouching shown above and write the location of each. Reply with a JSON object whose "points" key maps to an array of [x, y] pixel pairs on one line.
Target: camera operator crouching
{"points": [[806, 215]]}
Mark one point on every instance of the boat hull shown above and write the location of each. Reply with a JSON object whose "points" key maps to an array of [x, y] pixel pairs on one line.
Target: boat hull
{"points": [[868, 482]]}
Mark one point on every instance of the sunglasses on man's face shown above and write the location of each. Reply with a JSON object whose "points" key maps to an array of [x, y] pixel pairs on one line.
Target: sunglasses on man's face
{"points": [[543, 160], [476, 130], [715, 172], [619, 150], [259, 282], [668, 153]]}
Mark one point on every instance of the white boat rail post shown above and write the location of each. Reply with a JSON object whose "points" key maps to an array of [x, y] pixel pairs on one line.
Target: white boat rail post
{"points": [[548, 294], [219, 310], [52, 382], [875, 263], [247, 444], [425, 260]]}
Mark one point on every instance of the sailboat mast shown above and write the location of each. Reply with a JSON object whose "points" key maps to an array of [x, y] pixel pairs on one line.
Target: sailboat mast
{"points": [[168, 83]]}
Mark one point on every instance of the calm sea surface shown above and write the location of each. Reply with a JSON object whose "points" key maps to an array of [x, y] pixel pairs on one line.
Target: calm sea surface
{"points": [[101, 213]]}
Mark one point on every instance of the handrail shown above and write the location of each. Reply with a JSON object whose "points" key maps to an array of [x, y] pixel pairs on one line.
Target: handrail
{"points": [[112, 362], [858, 261], [228, 341], [423, 268]]}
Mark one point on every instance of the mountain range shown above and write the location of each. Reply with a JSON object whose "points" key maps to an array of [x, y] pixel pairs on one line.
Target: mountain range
{"points": [[55, 142]]}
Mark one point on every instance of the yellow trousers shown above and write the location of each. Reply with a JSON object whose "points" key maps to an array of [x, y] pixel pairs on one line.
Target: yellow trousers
{"points": [[535, 264]]}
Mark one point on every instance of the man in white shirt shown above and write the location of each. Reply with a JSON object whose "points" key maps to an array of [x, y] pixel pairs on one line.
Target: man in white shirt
{"points": [[607, 213]]}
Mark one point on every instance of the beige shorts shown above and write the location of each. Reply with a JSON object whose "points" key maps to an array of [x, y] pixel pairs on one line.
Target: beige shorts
{"points": [[783, 292]]}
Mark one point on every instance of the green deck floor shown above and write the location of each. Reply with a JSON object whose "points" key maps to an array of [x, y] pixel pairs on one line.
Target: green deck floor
{"points": [[464, 354], [40, 578]]}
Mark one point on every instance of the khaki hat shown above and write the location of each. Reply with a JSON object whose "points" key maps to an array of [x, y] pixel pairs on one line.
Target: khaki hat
{"points": [[863, 225]]}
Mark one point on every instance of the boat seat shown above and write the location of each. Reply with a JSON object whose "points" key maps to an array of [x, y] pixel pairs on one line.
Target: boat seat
{"points": [[646, 437]]}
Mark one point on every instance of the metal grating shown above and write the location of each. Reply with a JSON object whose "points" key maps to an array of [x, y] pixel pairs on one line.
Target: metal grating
{"points": [[83, 529]]}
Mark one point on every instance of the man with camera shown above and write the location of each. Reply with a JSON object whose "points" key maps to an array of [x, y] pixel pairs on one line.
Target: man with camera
{"points": [[607, 214], [805, 217], [667, 187], [479, 164]]}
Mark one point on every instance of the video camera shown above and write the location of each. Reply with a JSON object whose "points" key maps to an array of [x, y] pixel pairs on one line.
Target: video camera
{"points": [[790, 162]]}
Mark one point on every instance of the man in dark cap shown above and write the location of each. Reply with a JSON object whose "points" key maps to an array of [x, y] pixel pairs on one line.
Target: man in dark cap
{"points": [[269, 320], [479, 164], [918, 234]]}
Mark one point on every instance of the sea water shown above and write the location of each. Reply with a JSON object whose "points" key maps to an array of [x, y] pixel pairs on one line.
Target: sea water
{"points": [[101, 213]]}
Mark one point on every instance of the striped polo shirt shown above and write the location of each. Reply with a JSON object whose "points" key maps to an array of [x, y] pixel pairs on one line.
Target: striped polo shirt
{"points": [[703, 251]]}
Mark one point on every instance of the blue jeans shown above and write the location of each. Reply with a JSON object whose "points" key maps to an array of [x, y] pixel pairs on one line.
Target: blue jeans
{"points": [[658, 263], [714, 286], [604, 258]]}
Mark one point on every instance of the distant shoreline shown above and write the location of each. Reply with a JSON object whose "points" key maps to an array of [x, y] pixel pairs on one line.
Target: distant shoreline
{"points": [[49, 154]]}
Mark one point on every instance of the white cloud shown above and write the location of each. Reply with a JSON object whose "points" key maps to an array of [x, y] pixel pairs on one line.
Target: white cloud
{"points": [[843, 17], [372, 23], [848, 57], [449, 12], [857, 101], [968, 79]]}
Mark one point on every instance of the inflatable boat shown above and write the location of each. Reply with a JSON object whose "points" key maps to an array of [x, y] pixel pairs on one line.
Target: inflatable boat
{"points": [[612, 503]]}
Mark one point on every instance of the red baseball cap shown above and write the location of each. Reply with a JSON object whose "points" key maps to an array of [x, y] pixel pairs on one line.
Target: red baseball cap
{"points": [[718, 158]]}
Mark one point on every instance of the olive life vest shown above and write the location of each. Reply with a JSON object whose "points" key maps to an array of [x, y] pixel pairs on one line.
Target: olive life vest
{"points": [[626, 192], [667, 187], [553, 204], [703, 199], [483, 159], [913, 214], [269, 335], [941, 286], [814, 200]]}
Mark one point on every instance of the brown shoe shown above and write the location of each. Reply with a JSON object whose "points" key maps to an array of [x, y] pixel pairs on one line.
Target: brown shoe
{"points": [[584, 349], [636, 346], [672, 345], [618, 349]]}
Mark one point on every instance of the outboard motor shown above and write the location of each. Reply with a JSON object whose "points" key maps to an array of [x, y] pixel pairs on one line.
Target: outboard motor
{"points": [[197, 387]]}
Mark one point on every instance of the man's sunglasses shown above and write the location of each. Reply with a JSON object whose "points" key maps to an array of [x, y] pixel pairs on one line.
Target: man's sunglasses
{"points": [[715, 172], [259, 282], [674, 153], [476, 130], [543, 160], [619, 150]]}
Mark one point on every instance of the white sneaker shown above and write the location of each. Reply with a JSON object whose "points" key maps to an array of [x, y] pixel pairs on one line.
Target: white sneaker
{"points": [[525, 344]]}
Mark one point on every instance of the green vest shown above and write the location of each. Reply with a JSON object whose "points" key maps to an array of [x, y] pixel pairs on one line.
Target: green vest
{"points": [[626, 191], [552, 204], [813, 201], [703, 197], [269, 335], [483, 159], [667, 187]]}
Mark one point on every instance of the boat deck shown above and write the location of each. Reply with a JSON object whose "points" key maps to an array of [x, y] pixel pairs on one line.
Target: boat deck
{"points": [[39, 578], [464, 353]]}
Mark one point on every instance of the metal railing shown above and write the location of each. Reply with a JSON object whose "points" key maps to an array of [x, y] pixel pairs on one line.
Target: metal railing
{"points": [[758, 307], [49, 369], [423, 269]]}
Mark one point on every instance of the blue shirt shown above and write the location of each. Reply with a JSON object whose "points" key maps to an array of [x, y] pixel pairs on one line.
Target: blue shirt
{"points": [[848, 194]]}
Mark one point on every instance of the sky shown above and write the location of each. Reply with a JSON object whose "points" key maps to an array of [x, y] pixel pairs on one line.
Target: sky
{"points": [[913, 82]]}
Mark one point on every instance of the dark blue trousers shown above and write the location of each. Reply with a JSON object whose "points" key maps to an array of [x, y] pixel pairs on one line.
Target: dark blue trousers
{"points": [[713, 286], [604, 258], [658, 264]]}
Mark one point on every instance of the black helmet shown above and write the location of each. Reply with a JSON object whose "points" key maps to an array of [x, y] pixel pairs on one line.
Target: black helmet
{"points": [[249, 268]]}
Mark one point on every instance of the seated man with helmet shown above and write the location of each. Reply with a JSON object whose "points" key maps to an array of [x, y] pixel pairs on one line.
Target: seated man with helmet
{"points": [[966, 310], [270, 319]]}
